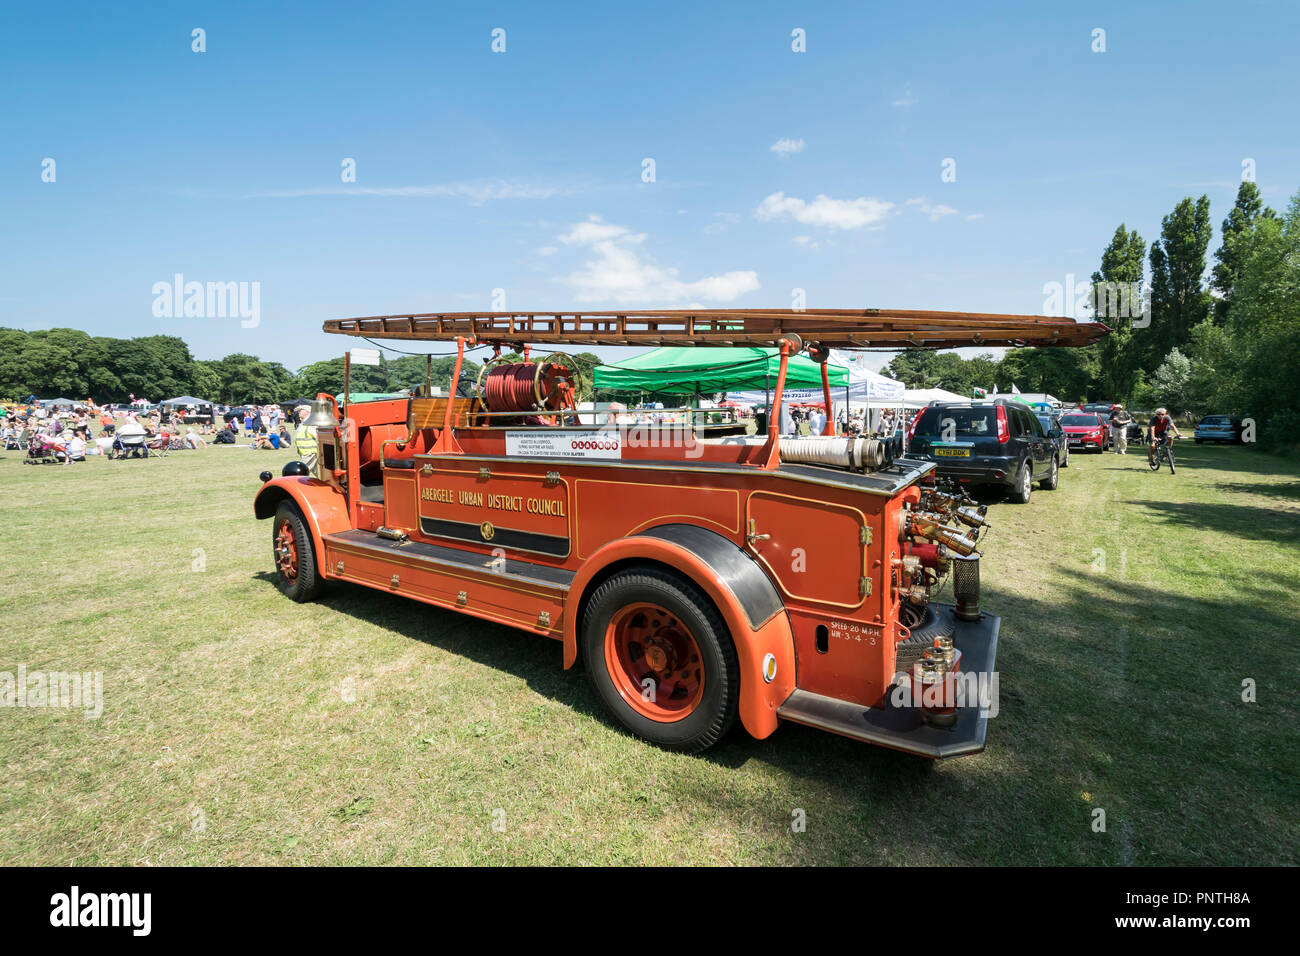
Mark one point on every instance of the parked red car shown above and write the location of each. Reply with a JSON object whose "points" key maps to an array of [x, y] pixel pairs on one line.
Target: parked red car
{"points": [[1085, 431]]}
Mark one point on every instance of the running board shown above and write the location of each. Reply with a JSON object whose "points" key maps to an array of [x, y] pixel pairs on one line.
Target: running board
{"points": [[901, 727], [438, 558], [512, 592]]}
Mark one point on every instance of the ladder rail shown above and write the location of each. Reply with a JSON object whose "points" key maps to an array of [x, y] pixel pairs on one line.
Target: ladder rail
{"points": [[889, 329]]}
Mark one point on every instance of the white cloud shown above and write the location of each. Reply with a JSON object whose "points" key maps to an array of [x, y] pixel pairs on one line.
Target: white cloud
{"points": [[787, 147], [907, 101], [595, 229], [823, 211], [620, 271], [935, 211], [547, 251], [974, 216], [808, 242]]}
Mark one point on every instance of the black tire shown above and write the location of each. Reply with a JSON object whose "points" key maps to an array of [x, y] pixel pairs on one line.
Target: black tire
{"points": [[307, 583], [715, 713], [1024, 485], [1171, 462], [933, 624], [1053, 476]]}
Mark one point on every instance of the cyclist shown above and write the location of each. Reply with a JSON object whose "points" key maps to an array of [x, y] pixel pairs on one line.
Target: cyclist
{"points": [[1158, 431]]}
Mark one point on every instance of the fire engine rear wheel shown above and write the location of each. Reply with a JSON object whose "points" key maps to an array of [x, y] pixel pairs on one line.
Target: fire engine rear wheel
{"points": [[661, 659], [295, 561]]}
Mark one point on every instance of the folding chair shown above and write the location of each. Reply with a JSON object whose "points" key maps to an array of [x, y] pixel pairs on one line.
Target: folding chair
{"points": [[158, 447], [131, 445]]}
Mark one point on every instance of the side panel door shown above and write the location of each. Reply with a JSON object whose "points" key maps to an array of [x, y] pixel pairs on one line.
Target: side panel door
{"points": [[1034, 437]]}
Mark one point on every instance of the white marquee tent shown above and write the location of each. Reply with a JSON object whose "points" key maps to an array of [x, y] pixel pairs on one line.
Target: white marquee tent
{"points": [[921, 397], [865, 389]]}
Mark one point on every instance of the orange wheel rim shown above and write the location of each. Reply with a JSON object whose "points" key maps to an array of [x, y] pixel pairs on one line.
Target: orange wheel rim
{"points": [[286, 552], [654, 661]]}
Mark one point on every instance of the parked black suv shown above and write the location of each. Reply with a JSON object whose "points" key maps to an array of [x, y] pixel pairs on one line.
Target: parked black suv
{"points": [[1052, 426], [998, 442]]}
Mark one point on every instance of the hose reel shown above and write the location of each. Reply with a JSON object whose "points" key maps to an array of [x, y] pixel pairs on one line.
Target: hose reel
{"points": [[530, 389]]}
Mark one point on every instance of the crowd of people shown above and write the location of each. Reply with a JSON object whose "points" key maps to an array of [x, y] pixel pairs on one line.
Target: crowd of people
{"points": [[71, 434]]}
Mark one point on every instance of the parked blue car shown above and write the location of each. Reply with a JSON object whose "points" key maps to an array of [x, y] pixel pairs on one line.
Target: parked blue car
{"points": [[1220, 428]]}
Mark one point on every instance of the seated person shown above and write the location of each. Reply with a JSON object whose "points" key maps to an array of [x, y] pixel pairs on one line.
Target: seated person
{"points": [[192, 440], [130, 428], [74, 448], [268, 441]]}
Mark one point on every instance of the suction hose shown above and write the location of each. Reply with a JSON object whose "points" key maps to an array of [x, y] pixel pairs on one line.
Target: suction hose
{"points": [[858, 454]]}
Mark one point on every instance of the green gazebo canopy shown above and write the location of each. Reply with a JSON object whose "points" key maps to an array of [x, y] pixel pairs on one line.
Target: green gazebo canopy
{"points": [[691, 369]]}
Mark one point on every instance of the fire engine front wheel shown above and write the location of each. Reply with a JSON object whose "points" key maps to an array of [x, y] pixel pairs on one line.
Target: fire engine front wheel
{"points": [[295, 561], [661, 659]]}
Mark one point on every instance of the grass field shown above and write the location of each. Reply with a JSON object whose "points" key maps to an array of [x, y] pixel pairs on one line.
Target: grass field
{"points": [[241, 728]]}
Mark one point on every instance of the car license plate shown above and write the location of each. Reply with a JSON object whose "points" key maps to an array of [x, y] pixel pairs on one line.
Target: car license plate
{"points": [[952, 452]]}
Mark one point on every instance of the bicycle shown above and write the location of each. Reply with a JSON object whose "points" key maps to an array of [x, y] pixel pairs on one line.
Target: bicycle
{"points": [[1164, 453]]}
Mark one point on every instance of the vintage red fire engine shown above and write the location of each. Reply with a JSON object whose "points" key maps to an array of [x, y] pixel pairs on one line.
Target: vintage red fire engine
{"points": [[702, 574]]}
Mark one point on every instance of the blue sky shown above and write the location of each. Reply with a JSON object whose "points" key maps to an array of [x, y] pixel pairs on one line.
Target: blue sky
{"points": [[522, 170]]}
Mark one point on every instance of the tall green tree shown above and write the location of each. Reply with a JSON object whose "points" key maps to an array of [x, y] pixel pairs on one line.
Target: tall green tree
{"points": [[1179, 298], [246, 378], [1119, 355], [1066, 373], [1265, 323], [1240, 221]]}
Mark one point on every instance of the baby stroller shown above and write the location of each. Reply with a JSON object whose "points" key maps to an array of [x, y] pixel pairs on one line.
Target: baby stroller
{"points": [[43, 450]]}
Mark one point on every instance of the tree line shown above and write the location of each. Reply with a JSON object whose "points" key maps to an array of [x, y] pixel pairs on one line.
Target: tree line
{"points": [[1220, 338], [69, 363]]}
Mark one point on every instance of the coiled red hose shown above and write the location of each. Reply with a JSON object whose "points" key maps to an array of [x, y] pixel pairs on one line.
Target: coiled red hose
{"points": [[509, 388]]}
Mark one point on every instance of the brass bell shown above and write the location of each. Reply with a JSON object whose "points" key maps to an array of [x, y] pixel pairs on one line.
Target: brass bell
{"points": [[321, 416]]}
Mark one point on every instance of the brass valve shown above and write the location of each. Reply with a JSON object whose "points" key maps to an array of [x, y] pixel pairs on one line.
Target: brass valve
{"points": [[931, 526]]}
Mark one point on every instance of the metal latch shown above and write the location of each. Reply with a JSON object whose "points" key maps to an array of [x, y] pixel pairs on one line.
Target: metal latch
{"points": [[462, 598], [394, 582], [864, 587], [753, 534], [552, 478], [484, 473], [544, 619], [338, 567], [427, 470], [864, 536]]}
